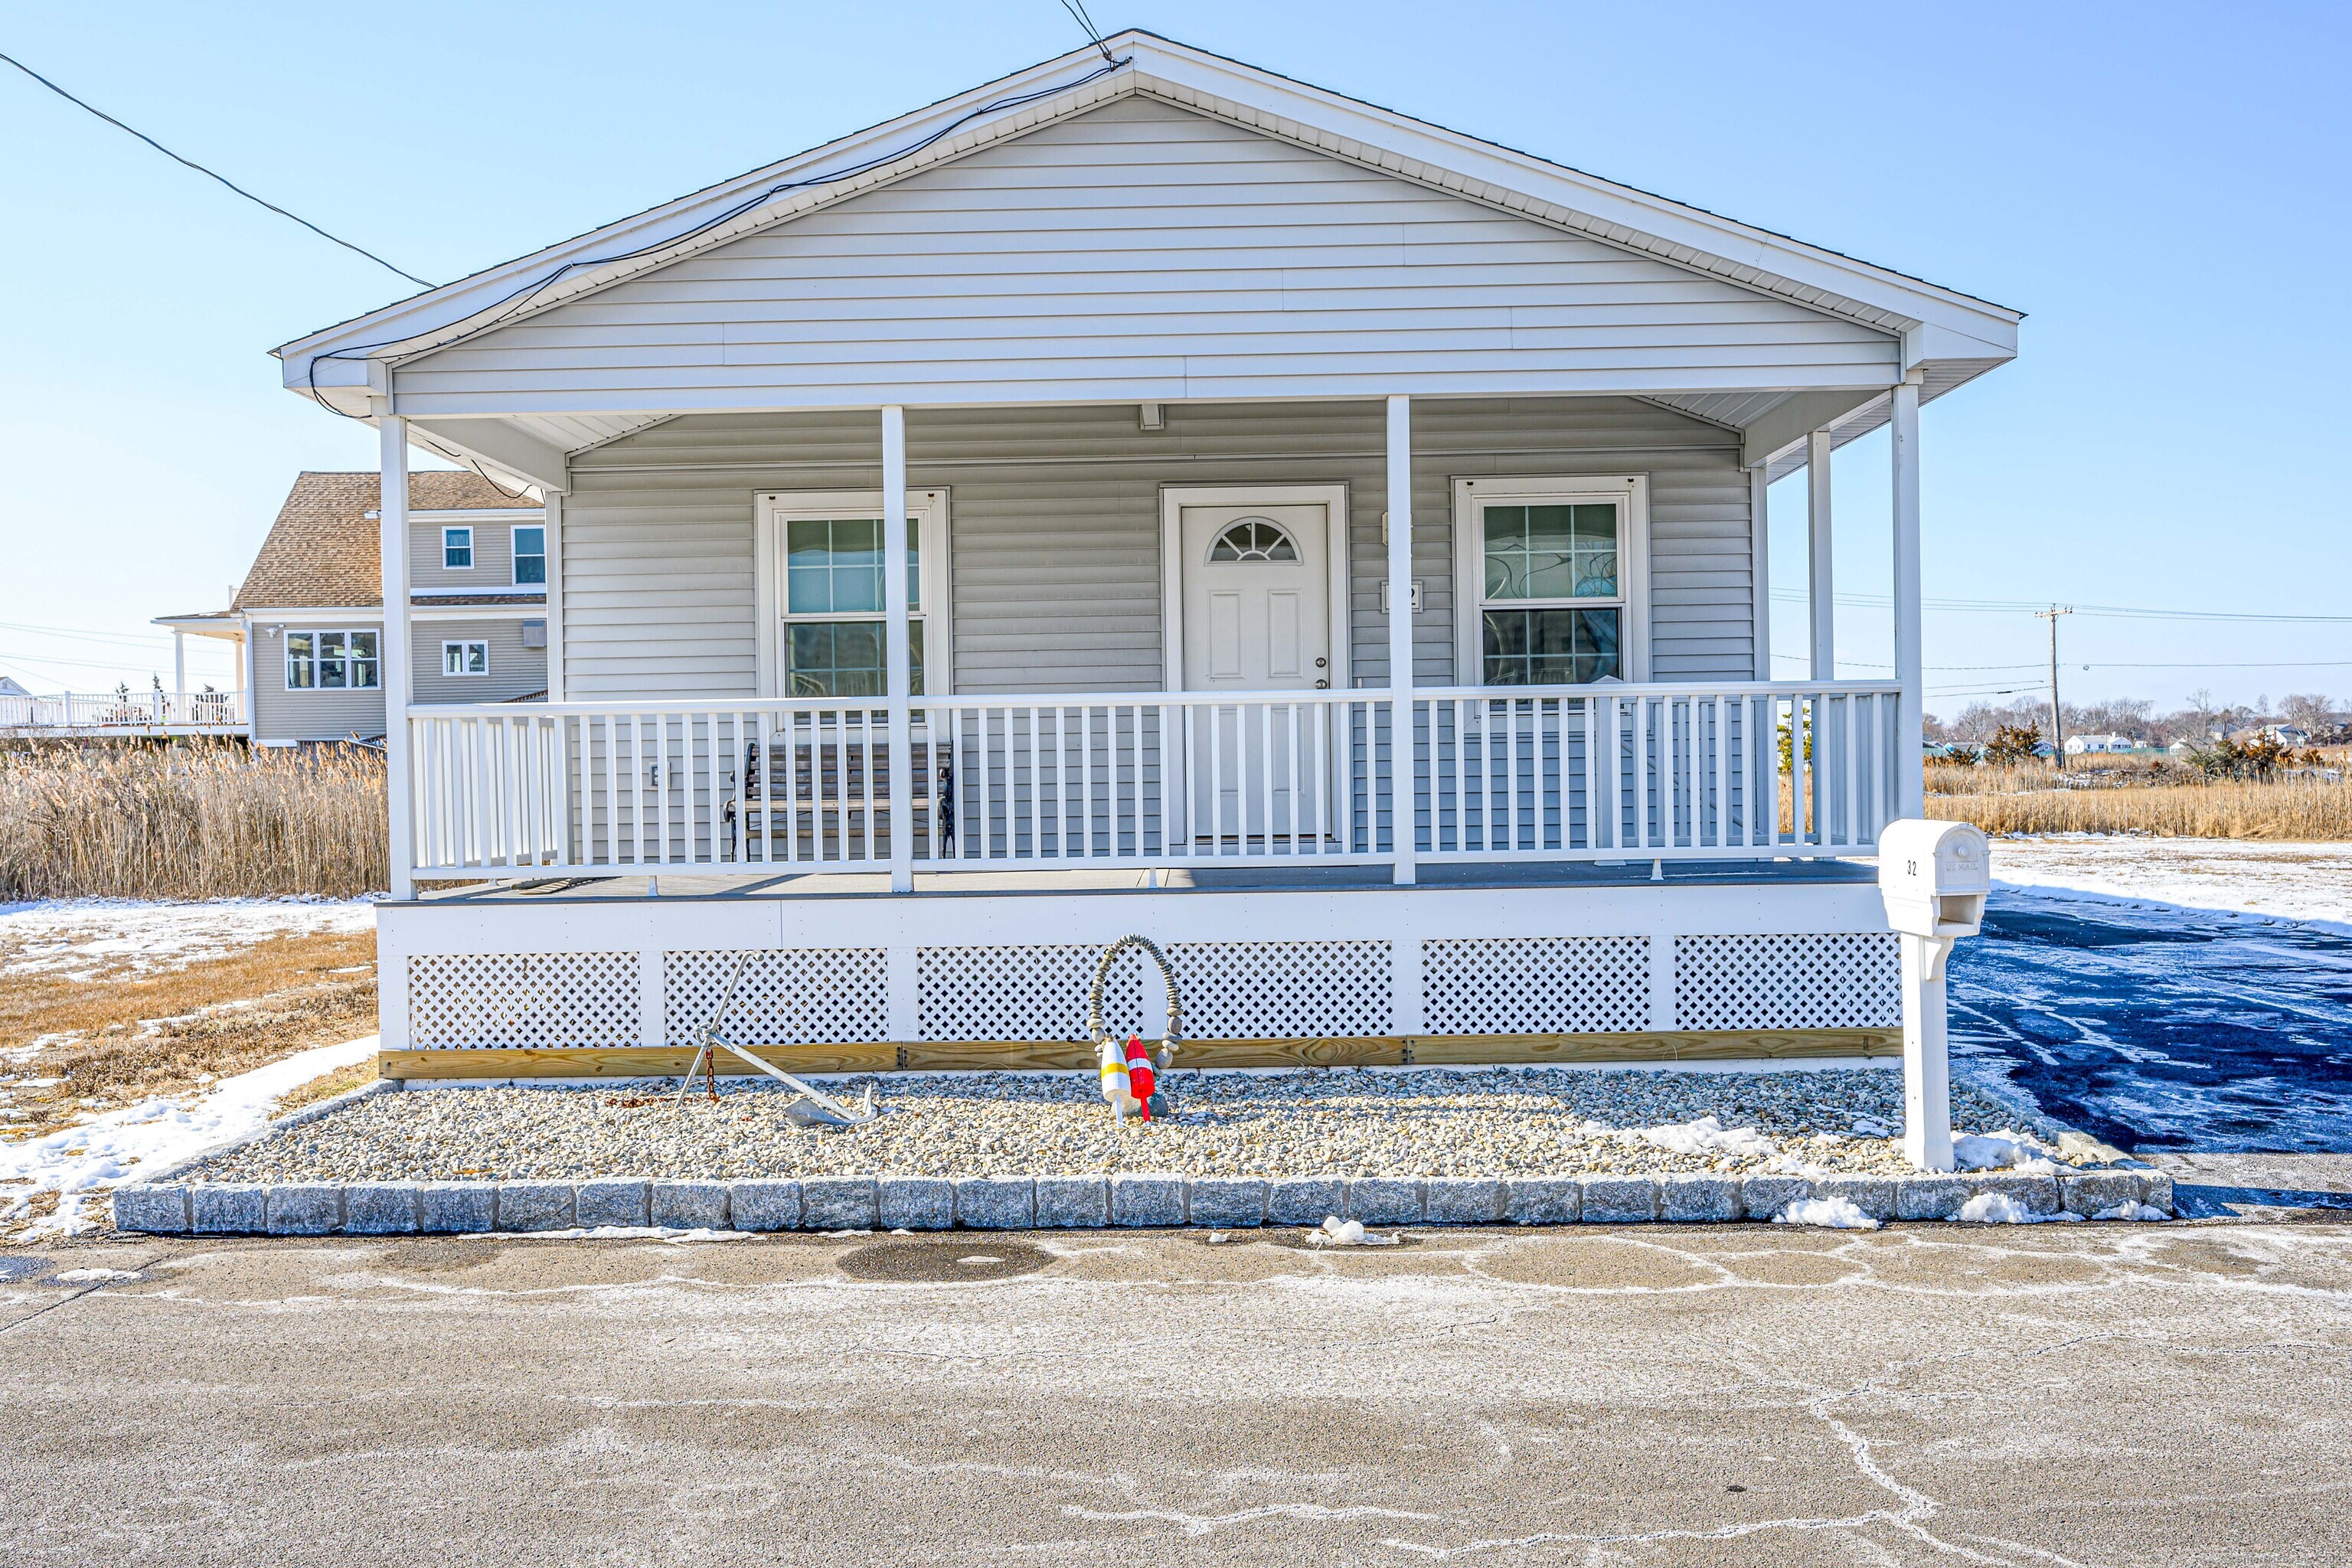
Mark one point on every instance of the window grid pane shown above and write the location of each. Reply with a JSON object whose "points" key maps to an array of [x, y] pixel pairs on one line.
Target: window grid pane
{"points": [[529, 555], [1549, 648], [456, 548], [1551, 552], [845, 658]]}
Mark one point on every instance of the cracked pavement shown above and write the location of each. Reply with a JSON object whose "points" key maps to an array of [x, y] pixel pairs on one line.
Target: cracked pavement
{"points": [[2096, 1394]]}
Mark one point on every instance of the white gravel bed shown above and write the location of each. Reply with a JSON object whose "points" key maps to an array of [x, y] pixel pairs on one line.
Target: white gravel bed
{"points": [[1493, 1121]]}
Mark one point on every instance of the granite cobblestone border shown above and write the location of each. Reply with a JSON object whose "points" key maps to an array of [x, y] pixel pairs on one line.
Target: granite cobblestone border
{"points": [[168, 1206]]}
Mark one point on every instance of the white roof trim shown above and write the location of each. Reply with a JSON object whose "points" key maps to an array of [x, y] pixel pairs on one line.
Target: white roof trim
{"points": [[1935, 323]]}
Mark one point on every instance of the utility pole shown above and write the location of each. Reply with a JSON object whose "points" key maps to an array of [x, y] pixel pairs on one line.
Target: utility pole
{"points": [[2057, 724]]}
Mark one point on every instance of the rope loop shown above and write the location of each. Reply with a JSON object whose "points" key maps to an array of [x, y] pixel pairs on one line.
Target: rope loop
{"points": [[1095, 1030]]}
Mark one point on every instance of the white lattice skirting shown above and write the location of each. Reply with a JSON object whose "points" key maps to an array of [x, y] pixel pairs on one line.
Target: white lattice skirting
{"points": [[492, 999], [1536, 985], [1843, 980], [1389, 964]]}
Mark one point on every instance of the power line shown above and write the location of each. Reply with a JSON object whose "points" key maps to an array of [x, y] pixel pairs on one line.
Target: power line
{"points": [[2130, 612], [215, 175], [1078, 10]]}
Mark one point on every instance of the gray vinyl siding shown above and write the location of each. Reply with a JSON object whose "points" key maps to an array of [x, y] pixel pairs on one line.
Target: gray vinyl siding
{"points": [[1055, 530], [493, 568], [1144, 251], [309, 715], [514, 671]]}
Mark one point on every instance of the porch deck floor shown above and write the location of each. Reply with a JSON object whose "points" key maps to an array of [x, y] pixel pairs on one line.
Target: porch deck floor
{"points": [[796, 884]]}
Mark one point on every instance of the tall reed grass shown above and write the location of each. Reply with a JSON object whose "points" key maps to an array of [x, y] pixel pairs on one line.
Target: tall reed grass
{"points": [[2168, 802], [202, 821]]}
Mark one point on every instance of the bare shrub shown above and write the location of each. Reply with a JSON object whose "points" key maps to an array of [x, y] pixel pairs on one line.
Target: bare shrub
{"points": [[203, 821]]}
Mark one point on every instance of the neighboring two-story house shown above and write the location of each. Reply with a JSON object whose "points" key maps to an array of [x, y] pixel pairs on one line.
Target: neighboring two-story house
{"points": [[310, 617]]}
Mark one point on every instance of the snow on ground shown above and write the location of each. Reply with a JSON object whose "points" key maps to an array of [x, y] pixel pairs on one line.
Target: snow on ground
{"points": [[80, 936], [2306, 882], [80, 1163]]}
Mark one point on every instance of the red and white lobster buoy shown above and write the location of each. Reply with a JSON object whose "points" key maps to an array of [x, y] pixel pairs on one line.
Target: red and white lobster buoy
{"points": [[1116, 1086], [1140, 1075]]}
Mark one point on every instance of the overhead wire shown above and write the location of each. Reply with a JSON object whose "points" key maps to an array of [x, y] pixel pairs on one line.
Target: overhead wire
{"points": [[215, 175]]}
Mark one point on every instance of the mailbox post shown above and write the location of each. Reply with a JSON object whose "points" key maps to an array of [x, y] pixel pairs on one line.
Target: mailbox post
{"points": [[1935, 876]]}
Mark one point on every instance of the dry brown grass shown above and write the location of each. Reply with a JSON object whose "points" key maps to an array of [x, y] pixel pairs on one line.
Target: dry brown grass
{"points": [[131, 1035], [190, 822], [2133, 796]]}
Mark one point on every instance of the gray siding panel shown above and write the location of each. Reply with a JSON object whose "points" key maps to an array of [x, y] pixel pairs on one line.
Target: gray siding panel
{"points": [[1141, 251], [309, 715], [1054, 521], [514, 671]]}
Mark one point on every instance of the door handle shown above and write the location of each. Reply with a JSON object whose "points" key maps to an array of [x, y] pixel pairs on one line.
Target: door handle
{"points": [[1322, 685], [1321, 663]]}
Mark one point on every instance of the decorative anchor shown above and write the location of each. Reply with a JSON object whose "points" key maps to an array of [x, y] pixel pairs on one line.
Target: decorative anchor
{"points": [[809, 1108]]}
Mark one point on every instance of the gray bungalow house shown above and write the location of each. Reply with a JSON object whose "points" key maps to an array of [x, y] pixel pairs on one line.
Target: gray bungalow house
{"points": [[1150, 494], [308, 619]]}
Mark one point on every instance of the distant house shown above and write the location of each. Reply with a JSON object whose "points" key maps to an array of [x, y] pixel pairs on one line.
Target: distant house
{"points": [[2079, 745], [2287, 735], [9, 688], [308, 619]]}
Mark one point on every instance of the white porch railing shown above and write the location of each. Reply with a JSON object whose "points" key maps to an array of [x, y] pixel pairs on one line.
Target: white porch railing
{"points": [[1651, 771], [101, 710]]}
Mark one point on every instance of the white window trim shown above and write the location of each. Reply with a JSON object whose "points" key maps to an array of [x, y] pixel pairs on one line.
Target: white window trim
{"points": [[472, 548], [514, 557], [322, 629], [448, 643], [1632, 491], [1337, 540], [927, 521]]}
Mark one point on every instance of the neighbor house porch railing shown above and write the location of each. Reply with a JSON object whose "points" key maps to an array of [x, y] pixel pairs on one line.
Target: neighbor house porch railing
{"points": [[101, 710], [1616, 772]]}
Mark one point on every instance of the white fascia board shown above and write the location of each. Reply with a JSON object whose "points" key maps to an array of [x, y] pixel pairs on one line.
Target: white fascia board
{"points": [[427, 321], [1618, 213], [1935, 320]]}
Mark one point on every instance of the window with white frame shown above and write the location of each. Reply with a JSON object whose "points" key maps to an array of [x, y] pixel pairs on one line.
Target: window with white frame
{"points": [[529, 555], [826, 592], [1557, 569], [457, 549], [466, 658], [331, 660]]}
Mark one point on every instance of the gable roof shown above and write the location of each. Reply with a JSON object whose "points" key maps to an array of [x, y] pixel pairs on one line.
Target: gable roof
{"points": [[322, 552], [1947, 334]]}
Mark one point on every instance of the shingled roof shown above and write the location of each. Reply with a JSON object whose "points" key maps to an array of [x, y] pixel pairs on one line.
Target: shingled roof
{"points": [[322, 551]]}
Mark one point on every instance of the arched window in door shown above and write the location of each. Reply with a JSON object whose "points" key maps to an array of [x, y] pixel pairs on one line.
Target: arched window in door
{"points": [[1252, 539]]}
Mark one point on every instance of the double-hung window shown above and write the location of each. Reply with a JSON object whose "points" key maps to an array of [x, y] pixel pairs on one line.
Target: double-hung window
{"points": [[465, 658], [529, 555], [1555, 573], [457, 549], [331, 660], [829, 588]]}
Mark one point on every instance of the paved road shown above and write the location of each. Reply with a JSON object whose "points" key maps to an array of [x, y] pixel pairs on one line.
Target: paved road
{"points": [[2160, 1028], [2093, 1395]]}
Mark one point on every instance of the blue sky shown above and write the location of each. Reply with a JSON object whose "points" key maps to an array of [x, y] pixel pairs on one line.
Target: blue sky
{"points": [[2162, 188]]}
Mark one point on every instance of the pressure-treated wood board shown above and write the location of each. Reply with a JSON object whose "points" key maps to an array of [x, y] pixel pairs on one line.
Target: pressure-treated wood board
{"points": [[997, 1055]]}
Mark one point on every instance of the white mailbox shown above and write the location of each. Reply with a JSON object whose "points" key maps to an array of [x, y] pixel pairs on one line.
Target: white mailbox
{"points": [[1935, 878]]}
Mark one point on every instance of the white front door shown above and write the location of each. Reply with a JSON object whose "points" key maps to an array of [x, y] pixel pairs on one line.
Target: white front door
{"points": [[1258, 613], [1257, 617]]}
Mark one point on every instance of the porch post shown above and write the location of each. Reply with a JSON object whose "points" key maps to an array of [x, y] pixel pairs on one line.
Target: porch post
{"points": [[1817, 546], [1910, 783], [896, 656], [555, 525], [1760, 568], [392, 644], [1404, 786], [179, 662]]}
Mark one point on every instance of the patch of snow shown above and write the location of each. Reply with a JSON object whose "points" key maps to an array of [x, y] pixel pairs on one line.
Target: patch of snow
{"points": [[2005, 1149], [1870, 1127], [2132, 1212], [81, 936], [2000, 1208], [79, 1161], [2311, 883], [92, 1276], [1337, 1232], [1708, 1136], [1831, 1213]]}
